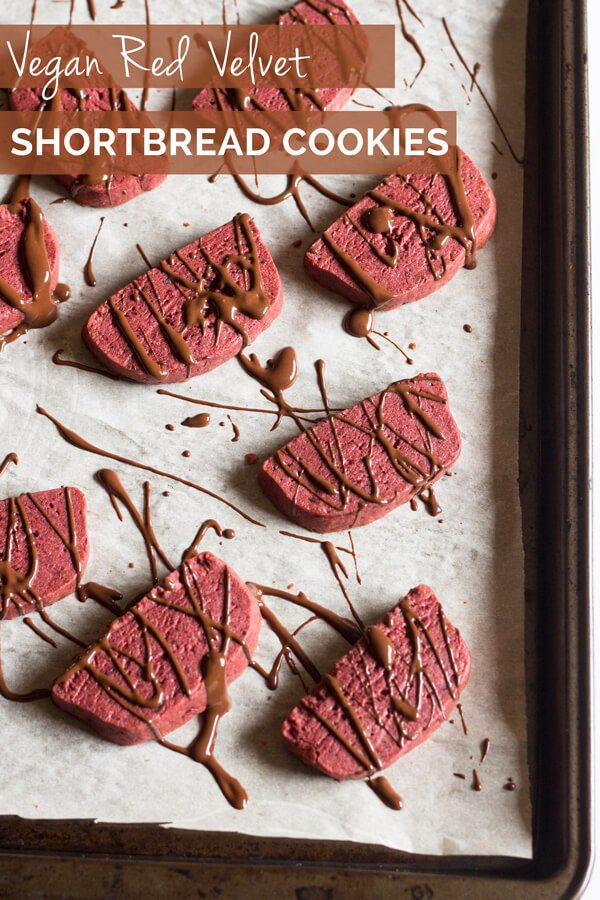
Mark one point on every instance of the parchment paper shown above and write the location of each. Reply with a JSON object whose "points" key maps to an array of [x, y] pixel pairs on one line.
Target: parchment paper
{"points": [[53, 766]]}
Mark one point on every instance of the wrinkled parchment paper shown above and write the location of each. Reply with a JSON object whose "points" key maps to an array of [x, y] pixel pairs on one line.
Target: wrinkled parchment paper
{"points": [[56, 768]]}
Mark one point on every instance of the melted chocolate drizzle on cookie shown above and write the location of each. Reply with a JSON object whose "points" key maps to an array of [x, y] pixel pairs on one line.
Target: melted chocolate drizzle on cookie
{"points": [[18, 588], [228, 100], [226, 295], [141, 694], [381, 229], [104, 166], [40, 309], [432, 228], [337, 486], [409, 683]]}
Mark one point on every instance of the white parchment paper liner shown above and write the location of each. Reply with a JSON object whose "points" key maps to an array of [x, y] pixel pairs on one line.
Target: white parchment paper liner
{"points": [[53, 766]]}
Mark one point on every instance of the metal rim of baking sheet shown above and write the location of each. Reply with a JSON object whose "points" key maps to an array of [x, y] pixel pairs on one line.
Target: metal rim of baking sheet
{"points": [[83, 859]]}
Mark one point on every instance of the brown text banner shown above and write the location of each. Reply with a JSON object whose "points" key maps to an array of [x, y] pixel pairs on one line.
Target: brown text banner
{"points": [[412, 138], [46, 57]]}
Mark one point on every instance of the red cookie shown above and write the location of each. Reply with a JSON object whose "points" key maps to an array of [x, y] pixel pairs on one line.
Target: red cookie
{"points": [[360, 464], [191, 313], [146, 677], [386, 695], [45, 548]]}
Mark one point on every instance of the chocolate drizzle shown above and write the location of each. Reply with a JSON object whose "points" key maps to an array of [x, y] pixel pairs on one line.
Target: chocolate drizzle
{"points": [[227, 296], [229, 299], [292, 189], [19, 193], [472, 73], [383, 334], [348, 629], [107, 597], [148, 53], [70, 363], [338, 569], [88, 272], [41, 309], [410, 684], [382, 230], [28, 697], [38, 631], [377, 292], [360, 323], [8, 459], [296, 100], [350, 551], [386, 793], [82, 444], [408, 37], [207, 525], [290, 648], [427, 495], [281, 372], [485, 749], [407, 686], [462, 719], [199, 421], [236, 430], [278, 413], [135, 685], [382, 647], [62, 292], [336, 487], [278, 375], [113, 486], [18, 588], [430, 219]]}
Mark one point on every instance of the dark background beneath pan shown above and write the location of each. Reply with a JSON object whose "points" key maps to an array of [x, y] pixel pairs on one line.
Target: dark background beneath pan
{"points": [[77, 858]]}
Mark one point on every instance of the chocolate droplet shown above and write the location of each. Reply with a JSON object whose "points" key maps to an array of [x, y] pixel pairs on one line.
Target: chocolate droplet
{"points": [[359, 322], [379, 219]]}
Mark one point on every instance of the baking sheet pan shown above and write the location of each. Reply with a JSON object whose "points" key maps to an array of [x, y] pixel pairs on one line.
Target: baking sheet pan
{"points": [[554, 465]]}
